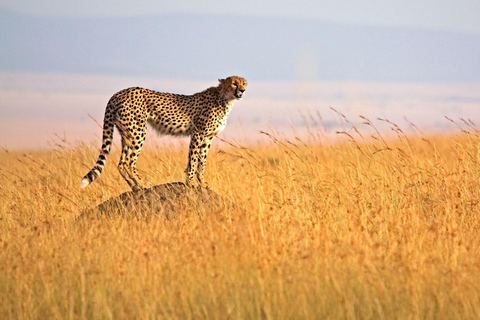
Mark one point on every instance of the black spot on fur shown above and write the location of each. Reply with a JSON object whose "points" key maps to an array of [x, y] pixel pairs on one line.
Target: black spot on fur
{"points": [[176, 114]]}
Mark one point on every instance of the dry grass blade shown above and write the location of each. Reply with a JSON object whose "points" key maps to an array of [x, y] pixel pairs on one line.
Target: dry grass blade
{"points": [[338, 231]]}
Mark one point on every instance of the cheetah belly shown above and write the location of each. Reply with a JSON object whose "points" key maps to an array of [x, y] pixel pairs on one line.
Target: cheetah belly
{"points": [[179, 128]]}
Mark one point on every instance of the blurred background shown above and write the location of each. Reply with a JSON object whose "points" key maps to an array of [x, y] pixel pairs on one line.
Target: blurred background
{"points": [[306, 62]]}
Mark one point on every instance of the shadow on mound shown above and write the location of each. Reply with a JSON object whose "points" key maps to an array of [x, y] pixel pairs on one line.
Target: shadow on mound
{"points": [[169, 200]]}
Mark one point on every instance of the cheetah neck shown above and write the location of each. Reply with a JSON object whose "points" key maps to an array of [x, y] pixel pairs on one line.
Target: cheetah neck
{"points": [[226, 105]]}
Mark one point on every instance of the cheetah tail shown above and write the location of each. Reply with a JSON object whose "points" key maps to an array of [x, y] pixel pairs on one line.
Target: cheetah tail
{"points": [[93, 174]]}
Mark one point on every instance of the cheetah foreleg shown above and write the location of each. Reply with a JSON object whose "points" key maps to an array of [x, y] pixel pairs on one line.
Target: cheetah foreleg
{"points": [[197, 158], [202, 160]]}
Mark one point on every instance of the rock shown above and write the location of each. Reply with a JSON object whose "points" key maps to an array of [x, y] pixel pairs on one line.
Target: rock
{"points": [[170, 200]]}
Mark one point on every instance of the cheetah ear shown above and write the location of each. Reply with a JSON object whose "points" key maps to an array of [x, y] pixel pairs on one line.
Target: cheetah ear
{"points": [[221, 80]]}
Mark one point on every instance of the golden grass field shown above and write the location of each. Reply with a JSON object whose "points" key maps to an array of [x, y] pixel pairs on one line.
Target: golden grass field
{"points": [[373, 226]]}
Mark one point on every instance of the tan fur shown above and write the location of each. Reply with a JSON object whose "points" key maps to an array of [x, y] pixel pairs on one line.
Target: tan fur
{"points": [[200, 116]]}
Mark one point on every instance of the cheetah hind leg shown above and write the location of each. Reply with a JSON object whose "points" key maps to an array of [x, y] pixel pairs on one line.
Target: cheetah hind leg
{"points": [[127, 166]]}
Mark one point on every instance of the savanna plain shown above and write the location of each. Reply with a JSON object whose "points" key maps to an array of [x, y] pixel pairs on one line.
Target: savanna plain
{"points": [[374, 225]]}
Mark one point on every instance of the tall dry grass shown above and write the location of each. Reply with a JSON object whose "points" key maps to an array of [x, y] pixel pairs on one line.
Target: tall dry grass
{"points": [[376, 226]]}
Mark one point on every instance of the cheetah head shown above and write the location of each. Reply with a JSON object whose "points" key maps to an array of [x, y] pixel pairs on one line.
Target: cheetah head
{"points": [[233, 87]]}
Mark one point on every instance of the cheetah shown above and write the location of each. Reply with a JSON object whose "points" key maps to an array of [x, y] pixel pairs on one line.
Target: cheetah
{"points": [[200, 116]]}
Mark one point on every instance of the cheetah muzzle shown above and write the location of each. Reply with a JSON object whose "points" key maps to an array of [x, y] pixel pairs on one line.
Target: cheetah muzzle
{"points": [[201, 116]]}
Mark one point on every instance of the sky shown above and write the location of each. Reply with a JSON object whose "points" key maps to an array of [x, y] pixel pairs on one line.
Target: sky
{"points": [[455, 15], [38, 105]]}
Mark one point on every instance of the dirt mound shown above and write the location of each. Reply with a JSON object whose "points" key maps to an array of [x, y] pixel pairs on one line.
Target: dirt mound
{"points": [[170, 200]]}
